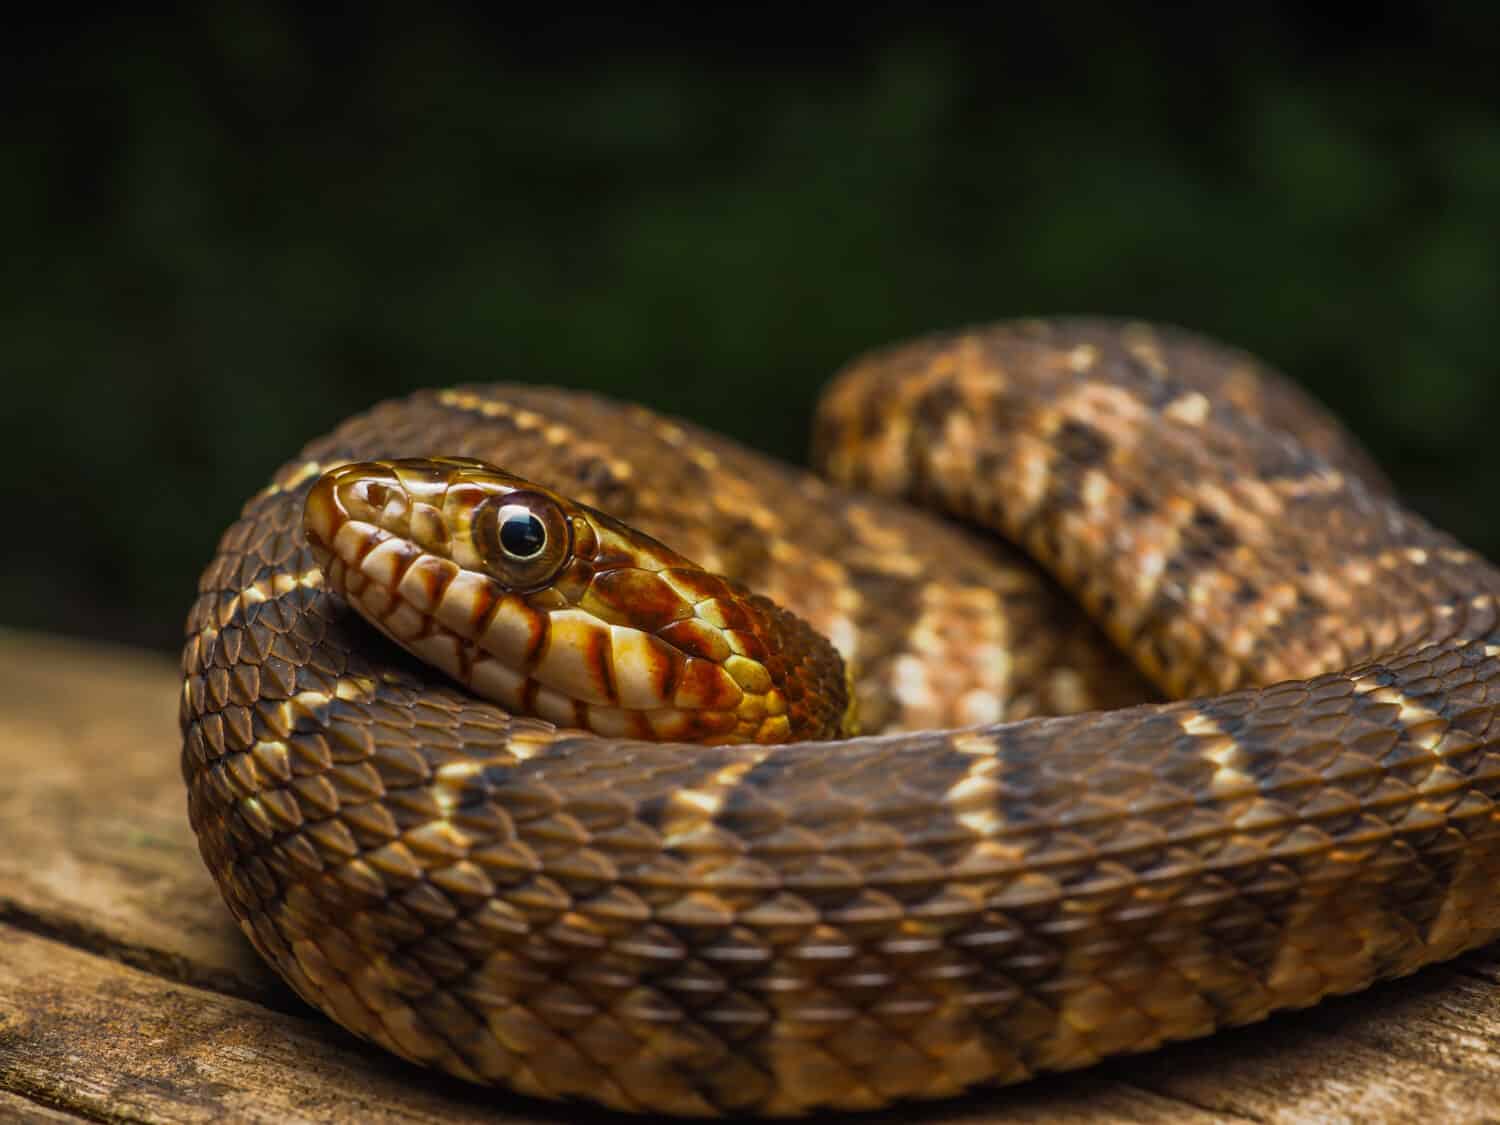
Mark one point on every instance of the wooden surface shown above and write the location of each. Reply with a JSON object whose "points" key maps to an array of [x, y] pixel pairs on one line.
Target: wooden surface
{"points": [[127, 994]]}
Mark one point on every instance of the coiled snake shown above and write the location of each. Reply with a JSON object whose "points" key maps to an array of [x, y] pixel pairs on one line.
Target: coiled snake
{"points": [[776, 928]]}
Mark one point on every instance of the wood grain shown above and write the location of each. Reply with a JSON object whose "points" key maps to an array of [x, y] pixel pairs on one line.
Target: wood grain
{"points": [[127, 994]]}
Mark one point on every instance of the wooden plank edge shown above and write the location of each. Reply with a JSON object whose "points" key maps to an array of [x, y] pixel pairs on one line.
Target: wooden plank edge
{"points": [[270, 993], [18, 1110]]}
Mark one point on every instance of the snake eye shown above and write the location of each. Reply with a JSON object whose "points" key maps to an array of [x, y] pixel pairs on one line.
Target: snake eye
{"points": [[524, 538], [521, 534]]}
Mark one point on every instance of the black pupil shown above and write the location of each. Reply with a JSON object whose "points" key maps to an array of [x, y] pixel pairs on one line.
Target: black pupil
{"points": [[522, 534]]}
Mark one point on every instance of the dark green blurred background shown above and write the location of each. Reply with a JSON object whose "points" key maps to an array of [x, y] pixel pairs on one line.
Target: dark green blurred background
{"points": [[227, 230]]}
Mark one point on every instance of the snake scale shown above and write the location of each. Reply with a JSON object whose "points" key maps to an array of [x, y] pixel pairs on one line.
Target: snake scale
{"points": [[1030, 863]]}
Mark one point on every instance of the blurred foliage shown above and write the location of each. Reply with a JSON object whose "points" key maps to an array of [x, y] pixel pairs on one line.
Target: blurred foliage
{"points": [[229, 229]]}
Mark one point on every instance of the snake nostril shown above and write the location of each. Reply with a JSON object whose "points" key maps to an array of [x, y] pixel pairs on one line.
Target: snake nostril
{"points": [[373, 493]]}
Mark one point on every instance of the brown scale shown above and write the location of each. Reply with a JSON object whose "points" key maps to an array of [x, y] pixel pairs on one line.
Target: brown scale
{"points": [[687, 929]]}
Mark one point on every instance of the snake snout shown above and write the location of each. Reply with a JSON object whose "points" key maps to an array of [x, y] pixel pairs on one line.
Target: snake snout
{"points": [[368, 493]]}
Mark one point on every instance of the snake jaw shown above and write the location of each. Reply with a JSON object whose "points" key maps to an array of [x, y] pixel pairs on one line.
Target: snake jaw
{"points": [[622, 637]]}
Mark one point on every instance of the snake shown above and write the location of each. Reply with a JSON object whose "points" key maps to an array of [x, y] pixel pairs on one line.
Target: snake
{"points": [[1097, 692]]}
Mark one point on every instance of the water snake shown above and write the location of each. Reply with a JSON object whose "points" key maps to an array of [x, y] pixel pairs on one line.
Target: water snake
{"points": [[1029, 864]]}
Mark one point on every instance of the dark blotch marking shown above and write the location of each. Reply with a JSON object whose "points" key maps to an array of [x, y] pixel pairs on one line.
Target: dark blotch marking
{"points": [[1160, 393], [1302, 614], [989, 463], [933, 408], [1080, 444], [1138, 503], [1283, 459], [1210, 534], [602, 488]]}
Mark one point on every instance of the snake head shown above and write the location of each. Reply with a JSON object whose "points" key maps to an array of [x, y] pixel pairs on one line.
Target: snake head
{"points": [[552, 609]]}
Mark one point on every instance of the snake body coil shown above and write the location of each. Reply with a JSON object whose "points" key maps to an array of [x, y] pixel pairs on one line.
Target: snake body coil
{"points": [[773, 929]]}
